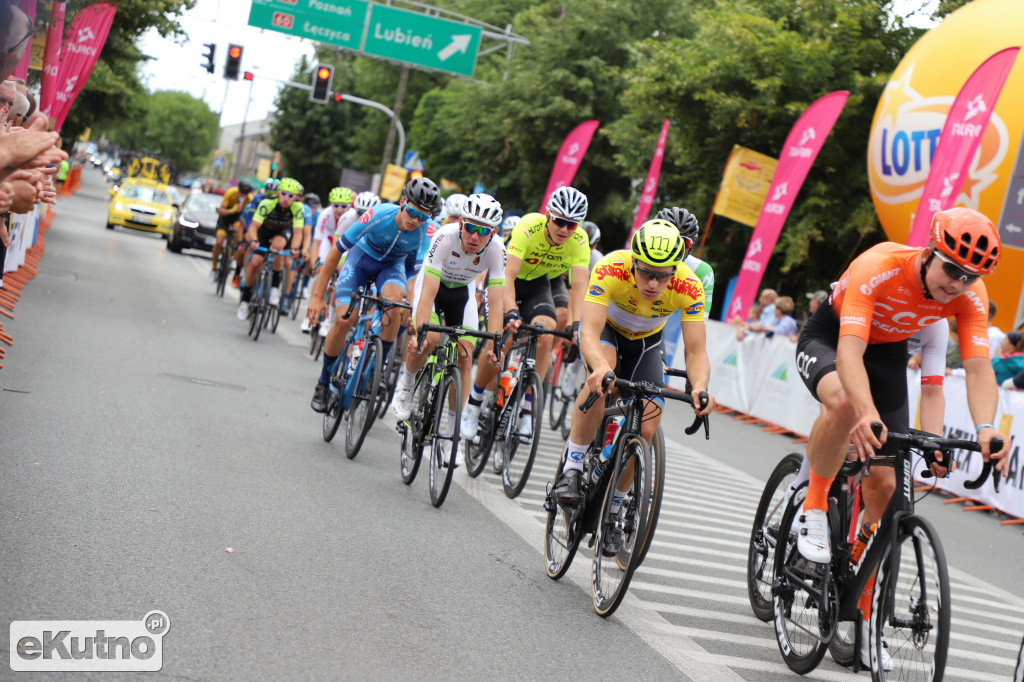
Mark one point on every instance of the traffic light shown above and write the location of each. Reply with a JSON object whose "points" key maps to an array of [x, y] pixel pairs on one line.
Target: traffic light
{"points": [[322, 77], [417, 173], [234, 61], [247, 75], [212, 48]]}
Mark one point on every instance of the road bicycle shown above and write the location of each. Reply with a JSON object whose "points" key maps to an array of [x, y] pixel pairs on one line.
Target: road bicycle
{"points": [[226, 263], [620, 538], [357, 377], [1018, 672], [260, 310], [436, 415], [561, 386], [910, 609], [502, 416]]}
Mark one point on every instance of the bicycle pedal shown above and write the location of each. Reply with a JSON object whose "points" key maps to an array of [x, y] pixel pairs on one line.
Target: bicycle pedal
{"points": [[549, 504]]}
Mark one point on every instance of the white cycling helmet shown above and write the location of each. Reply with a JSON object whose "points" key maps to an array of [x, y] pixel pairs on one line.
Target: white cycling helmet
{"points": [[453, 205], [568, 202], [366, 200], [482, 208], [509, 223]]}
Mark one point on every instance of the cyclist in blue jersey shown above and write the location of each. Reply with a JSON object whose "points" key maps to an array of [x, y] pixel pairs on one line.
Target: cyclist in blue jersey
{"points": [[380, 246]]}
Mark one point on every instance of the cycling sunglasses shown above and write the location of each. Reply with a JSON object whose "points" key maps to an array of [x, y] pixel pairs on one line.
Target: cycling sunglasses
{"points": [[954, 271], [416, 215], [651, 274], [473, 228], [287, 195], [343, 207], [18, 44], [564, 223]]}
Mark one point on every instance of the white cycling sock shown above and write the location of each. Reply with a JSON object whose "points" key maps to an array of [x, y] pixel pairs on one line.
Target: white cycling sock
{"points": [[449, 425], [405, 377], [577, 453], [617, 497]]}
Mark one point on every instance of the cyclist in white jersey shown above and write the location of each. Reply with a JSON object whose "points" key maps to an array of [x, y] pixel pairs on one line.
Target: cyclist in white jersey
{"points": [[446, 284], [686, 222]]}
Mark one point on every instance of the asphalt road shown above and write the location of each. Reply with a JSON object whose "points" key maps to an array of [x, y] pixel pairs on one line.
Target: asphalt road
{"points": [[146, 434]]}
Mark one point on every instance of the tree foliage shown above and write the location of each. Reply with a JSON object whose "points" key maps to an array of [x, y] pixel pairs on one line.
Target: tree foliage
{"points": [[174, 125]]}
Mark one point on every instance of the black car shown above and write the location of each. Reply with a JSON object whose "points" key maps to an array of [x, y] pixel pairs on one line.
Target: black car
{"points": [[196, 227]]}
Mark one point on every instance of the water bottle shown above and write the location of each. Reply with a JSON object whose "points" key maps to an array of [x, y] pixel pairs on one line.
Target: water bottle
{"points": [[606, 451], [862, 541], [357, 350], [505, 381]]}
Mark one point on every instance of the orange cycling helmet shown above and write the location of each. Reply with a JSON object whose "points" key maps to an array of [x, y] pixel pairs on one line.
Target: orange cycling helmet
{"points": [[968, 238]]}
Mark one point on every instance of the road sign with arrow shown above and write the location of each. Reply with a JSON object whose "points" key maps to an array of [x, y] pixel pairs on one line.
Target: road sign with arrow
{"points": [[422, 40]]}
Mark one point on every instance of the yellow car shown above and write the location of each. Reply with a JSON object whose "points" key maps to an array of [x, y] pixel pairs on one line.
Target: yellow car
{"points": [[142, 205]]}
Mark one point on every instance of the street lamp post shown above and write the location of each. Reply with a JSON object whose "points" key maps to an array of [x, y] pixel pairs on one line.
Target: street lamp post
{"points": [[241, 136]]}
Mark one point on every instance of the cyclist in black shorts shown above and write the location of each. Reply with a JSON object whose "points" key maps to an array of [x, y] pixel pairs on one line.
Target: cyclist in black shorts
{"points": [[276, 223]]}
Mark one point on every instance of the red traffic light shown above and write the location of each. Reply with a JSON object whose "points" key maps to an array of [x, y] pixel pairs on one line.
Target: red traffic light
{"points": [[337, 97], [323, 73], [247, 75], [415, 174], [235, 52]]}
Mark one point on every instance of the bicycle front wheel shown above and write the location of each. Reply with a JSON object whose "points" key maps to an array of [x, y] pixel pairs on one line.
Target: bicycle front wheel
{"points": [[910, 609], [764, 534], [361, 411], [620, 528], [224, 268], [523, 436], [444, 443]]}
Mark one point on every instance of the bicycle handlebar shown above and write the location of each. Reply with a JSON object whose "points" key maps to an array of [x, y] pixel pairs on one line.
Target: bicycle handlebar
{"points": [[928, 443], [359, 295], [264, 249], [647, 389], [421, 334], [537, 330]]}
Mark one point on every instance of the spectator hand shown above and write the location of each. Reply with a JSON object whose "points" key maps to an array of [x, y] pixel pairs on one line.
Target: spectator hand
{"points": [[31, 147]]}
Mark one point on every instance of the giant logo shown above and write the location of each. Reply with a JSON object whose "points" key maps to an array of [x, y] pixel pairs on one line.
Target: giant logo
{"points": [[909, 119]]}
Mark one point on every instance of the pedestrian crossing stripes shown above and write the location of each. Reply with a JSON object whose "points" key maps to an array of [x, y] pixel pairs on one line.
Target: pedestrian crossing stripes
{"points": [[689, 599]]}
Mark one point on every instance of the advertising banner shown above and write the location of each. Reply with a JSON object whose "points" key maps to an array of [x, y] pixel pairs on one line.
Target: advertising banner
{"points": [[79, 55], [393, 183], [570, 156], [744, 187], [51, 60], [802, 145], [959, 140], [651, 185]]}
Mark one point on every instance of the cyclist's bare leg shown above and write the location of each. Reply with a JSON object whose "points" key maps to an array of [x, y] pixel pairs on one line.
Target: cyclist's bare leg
{"points": [[218, 244], [335, 341], [392, 322], [240, 250], [544, 344], [289, 274], [829, 440]]}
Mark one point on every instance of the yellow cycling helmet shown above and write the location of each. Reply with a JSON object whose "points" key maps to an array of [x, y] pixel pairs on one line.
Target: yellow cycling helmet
{"points": [[658, 243]]}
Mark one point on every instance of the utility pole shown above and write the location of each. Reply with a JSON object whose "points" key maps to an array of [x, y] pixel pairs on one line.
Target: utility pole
{"points": [[403, 78], [241, 135]]}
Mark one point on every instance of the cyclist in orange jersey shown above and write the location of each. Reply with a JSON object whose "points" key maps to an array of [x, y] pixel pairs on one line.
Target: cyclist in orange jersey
{"points": [[852, 353]]}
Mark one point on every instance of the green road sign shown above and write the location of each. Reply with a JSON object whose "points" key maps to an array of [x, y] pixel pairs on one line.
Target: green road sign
{"points": [[421, 40], [335, 22]]}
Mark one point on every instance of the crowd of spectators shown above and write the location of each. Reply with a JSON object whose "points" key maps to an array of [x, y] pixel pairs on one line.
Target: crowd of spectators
{"points": [[29, 152]]}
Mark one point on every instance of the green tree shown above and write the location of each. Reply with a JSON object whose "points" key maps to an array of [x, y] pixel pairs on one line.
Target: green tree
{"points": [[174, 125]]}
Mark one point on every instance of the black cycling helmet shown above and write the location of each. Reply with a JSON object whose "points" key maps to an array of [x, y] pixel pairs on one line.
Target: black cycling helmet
{"points": [[311, 199], [423, 193], [244, 187], [684, 221]]}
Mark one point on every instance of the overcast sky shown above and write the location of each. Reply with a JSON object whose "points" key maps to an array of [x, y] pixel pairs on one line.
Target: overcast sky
{"points": [[269, 54]]}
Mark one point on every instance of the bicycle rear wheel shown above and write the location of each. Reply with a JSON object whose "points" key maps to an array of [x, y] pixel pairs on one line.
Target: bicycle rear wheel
{"points": [[412, 439], [656, 490], [477, 452], [517, 456], [910, 610], [562, 531], [615, 561], [224, 267], [334, 413], [767, 521], [797, 589], [361, 411], [444, 443]]}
